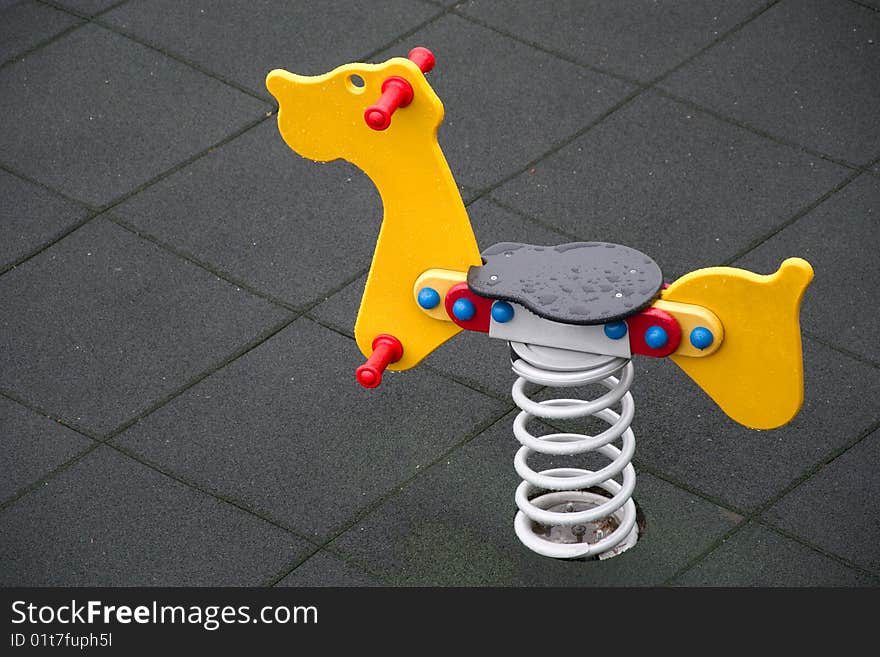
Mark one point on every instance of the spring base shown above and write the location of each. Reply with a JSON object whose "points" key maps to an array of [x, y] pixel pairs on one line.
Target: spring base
{"points": [[560, 514]]}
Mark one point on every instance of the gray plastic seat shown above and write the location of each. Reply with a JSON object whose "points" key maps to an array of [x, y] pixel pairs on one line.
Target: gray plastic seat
{"points": [[575, 283]]}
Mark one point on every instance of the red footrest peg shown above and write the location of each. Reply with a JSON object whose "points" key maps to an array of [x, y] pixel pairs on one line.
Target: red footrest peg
{"points": [[386, 350]]}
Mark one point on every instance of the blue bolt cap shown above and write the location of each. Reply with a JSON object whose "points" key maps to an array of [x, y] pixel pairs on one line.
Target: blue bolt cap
{"points": [[463, 310], [428, 298], [656, 338], [615, 330], [701, 337], [502, 312]]}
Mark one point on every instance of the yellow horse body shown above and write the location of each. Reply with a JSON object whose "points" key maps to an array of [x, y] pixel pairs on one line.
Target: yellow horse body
{"points": [[755, 375]]}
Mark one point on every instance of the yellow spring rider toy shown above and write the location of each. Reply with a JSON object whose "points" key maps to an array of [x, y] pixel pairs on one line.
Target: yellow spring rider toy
{"points": [[574, 314]]}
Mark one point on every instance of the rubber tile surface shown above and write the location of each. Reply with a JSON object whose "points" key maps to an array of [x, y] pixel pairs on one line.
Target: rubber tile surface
{"points": [[110, 521], [805, 71], [103, 324], [287, 423], [109, 114]]}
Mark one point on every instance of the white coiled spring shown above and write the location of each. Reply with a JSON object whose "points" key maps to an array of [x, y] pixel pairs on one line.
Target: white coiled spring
{"points": [[566, 503]]}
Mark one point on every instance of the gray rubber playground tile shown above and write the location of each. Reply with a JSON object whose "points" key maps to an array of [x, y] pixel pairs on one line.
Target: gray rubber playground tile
{"points": [[836, 508], [243, 41], [503, 111], [27, 24], [757, 556], [326, 569], [32, 446], [454, 526], [109, 521], [471, 357], [261, 213], [681, 433], [87, 7], [95, 115], [31, 216], [839, 238], [103, 324], [287, 429], [804, 70], [677, 184], [637, 39]]}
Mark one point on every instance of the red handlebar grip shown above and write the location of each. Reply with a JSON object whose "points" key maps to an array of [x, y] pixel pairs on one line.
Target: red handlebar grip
{"points": [[422, 57], [397, 92], [386, 350]]}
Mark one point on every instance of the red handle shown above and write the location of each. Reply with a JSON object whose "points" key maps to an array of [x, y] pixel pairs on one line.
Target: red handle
{"points": [[422, 57], [397, 92], [386, 350]]}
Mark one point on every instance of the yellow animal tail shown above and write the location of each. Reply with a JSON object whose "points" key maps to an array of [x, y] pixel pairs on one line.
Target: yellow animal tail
{"points": [[757, 375]]}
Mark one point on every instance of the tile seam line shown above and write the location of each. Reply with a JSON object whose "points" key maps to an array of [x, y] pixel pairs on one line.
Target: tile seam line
{"points": [[97, 211], [69, 230], [760, 132], [653, 84], [272, 580], [42, 44], [261, 338], [467, 384], [98, 21], [549, 51], [400, 38], [39, 183], [180, 59], [230, 500], [865, 360], [393, 491], [459, 11], [357, 565], [816, 548], [76, 13], [707, 552], [558, 146], [688, 488], [316, 301], [755, 515], [46, 477], [57, 419], [214, 270], [149, 410], [721, 38], [206, 266], [792, 219], [109, 439], [535, 221], [292, 316], [825, 461], [865, 6], [235, 134]]}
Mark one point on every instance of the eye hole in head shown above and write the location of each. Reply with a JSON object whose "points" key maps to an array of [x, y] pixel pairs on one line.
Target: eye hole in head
{"points": [[355, 84]]}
